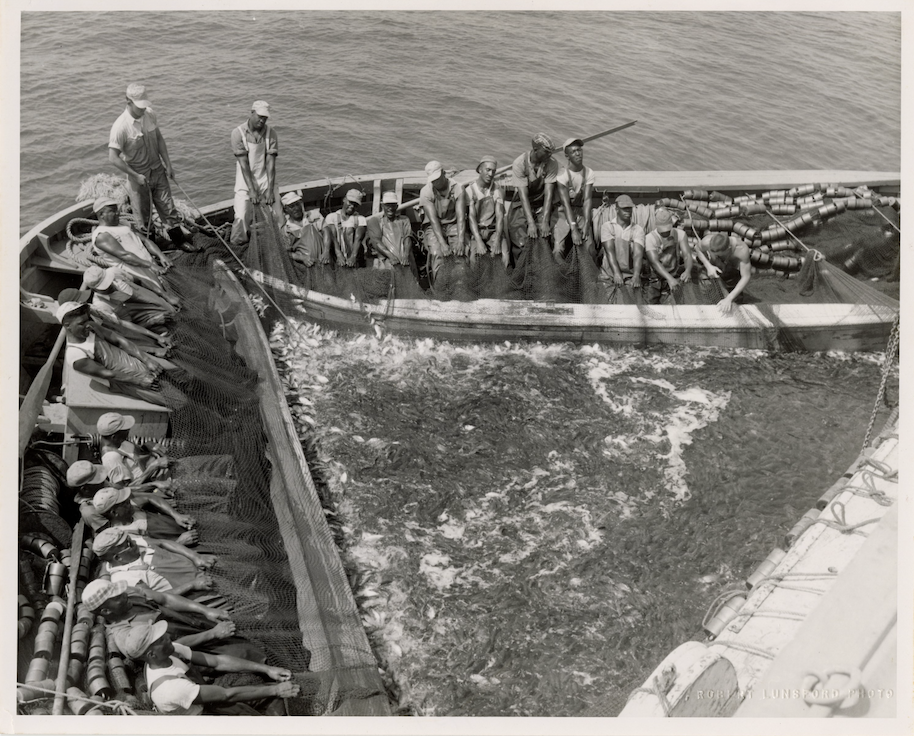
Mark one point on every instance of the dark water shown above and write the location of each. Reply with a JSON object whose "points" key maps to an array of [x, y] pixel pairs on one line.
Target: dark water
{"points": [[366, 92], [555, 507]]}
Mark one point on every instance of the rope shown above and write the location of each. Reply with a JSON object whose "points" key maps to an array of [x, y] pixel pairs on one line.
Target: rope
{"points": [[802, 244], [656, 691], [80, 221], [876, 210], [891, 351], [240, 262], [118, 705]]}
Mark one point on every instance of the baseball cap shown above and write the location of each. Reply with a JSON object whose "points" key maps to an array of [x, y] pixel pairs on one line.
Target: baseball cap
{"points": [[389, 198], [623, 201], [82, 472], [67, 308], [110, 422], [107, 498], [261, 108], [354, 195], [74, 295], [99, 204], [290, 198], [487, 160], [663, 221], [541, 140], [572, 142], [134, 640], [97, 277], [136, 93], [719, 242], [98, 591], [433, 170], [108, 539]]}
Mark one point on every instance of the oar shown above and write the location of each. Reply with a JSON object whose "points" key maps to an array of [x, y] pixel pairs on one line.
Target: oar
{"points": [[501, 170]]}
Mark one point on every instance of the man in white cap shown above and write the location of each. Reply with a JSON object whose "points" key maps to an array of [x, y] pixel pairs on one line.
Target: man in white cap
{"points": [[136, 147], [119, 455], [98, 351], [623, 246], [118, 245], [255, 146], [534, 173], [444, 204], [575, 187], [486, 213], [304, 236], [726, 257], [668, 253], [391, 235], [344, 231], [118, 292], [176, 690]]}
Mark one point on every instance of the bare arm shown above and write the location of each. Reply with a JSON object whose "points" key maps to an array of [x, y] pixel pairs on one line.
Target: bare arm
{"points": [[269, 195], [528, 209], [181, 604], [588, 214], [108, 244], [431, 214], [657, 265], [228, 663], [114, 158], [215, 694], [253, 192], [686, 252]]}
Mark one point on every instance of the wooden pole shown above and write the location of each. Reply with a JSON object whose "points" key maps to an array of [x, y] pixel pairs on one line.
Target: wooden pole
{"points": [[76, 549], [31, 405]]}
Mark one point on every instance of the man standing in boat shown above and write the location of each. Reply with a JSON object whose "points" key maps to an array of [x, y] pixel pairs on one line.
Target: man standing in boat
{"points": [[136, 147], [668, 253], [486, 215], [390, 235], [623, 246], [534, 173], [727, 257], [575, 186], [444, 204], [344, 231], [255, 146]]}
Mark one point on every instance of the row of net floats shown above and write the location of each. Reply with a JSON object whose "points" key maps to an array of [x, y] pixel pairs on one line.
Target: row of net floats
{"points": [[95, 668], [714, 212]]}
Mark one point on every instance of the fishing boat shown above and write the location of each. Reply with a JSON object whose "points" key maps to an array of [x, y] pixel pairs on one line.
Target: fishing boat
{"points": [[801, 323], [326, 643], [795, 641]]}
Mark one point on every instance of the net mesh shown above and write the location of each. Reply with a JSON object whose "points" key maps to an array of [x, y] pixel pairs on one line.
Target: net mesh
{"points": [[832, 254]]}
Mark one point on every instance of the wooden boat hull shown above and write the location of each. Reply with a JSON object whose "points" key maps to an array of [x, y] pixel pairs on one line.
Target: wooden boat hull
{"points": [[813, 327]]}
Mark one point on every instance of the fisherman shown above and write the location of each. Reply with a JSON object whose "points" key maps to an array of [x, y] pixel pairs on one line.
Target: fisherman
{"points": [[603, 214], [122, 509], [158, 564], [176, 688], [390, 235], [119, 455], [668, 253], [444, 204], [727, 257], [98, 351], [255, 146], [344, 232], [145, 339], [486, 213], [535, 173], [575, 187], [120, 293], [623, 246], [136, 147], [86, 479], [122, 606], [305, 240], [118, 245]]}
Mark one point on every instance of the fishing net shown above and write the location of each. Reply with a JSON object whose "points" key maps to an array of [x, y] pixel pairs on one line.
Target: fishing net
{"points": [[224, 475], [840, 246]]}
